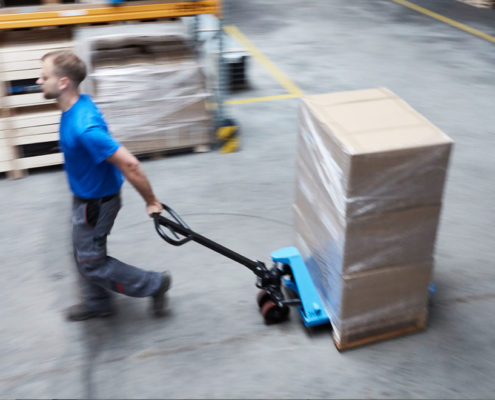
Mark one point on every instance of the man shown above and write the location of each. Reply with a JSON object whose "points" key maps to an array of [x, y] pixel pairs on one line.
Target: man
{"points": [[95, 163]]}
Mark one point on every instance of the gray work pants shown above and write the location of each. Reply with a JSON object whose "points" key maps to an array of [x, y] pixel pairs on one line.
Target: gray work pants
{"points": [[91, 224]]}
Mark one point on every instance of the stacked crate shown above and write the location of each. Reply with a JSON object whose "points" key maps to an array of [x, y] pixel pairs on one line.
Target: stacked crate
{"points": [[370, 179], [30, 122]]}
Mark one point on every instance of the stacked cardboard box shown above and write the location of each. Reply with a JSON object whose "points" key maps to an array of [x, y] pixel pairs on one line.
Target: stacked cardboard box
{"points": [[370, 179], [150, 87]]}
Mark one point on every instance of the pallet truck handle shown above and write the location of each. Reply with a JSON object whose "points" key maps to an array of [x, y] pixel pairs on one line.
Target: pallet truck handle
{"points": [[179, 226]]}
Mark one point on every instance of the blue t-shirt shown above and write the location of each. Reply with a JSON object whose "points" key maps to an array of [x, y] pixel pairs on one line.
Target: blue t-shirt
{"points": [[86, 144]]}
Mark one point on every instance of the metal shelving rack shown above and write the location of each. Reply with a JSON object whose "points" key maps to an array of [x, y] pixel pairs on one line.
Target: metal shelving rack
{"points": [[114, 11], [74, 14]]}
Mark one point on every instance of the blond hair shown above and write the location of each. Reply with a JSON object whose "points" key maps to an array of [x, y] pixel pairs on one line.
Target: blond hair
{"points": [[67, 64]]}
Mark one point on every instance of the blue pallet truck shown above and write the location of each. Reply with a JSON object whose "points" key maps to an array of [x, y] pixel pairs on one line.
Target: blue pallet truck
{"points": [[288, 271]]}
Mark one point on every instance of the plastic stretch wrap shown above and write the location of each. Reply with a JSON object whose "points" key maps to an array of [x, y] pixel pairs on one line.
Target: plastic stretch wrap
{"points": [[373, 169], [146, 102], [368, 300], [370, 174], [365, 243], [150, 87]]}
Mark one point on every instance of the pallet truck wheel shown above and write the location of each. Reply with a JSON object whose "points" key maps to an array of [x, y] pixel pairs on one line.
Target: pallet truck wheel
{"points": [[263, 297], [272, 314]]}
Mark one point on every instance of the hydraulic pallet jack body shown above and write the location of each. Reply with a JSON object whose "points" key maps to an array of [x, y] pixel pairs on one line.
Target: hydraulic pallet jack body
{"points": [[289, 271]]}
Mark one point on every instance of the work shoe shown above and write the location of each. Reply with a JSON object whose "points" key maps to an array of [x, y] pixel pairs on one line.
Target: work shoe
{"points": [[79, 312], [159, 299]]}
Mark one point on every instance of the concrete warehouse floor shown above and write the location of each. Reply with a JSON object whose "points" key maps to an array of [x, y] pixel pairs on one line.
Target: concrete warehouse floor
{"points": [[213, 343]]}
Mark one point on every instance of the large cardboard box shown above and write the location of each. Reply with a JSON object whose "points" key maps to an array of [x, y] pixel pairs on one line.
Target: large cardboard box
{"points": [[351, 245], [372, 151], [370, 175], [380, 299]]}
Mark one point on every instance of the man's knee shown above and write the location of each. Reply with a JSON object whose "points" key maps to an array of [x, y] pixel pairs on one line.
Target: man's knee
{"points": [[90, 267]]}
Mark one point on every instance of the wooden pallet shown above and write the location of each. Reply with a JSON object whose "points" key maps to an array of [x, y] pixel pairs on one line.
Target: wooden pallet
{"points": [[34, 125], [28, 118], [162, 147], [6, 155], [6, 150], [20, 59], [30, 126], [26, 163], [379, 332]]}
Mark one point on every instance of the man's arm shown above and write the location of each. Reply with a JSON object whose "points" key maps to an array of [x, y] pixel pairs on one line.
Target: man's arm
{"points": [[134, 173]]}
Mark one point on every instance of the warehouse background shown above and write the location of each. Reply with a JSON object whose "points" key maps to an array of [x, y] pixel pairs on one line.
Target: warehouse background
{"points": [[437, 56]]}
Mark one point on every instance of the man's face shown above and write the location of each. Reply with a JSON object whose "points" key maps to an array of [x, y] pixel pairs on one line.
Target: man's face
{"points": [[49, 81]]}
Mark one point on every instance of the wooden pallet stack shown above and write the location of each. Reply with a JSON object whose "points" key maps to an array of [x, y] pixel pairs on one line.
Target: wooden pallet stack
{"points": [[29, 122]]}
